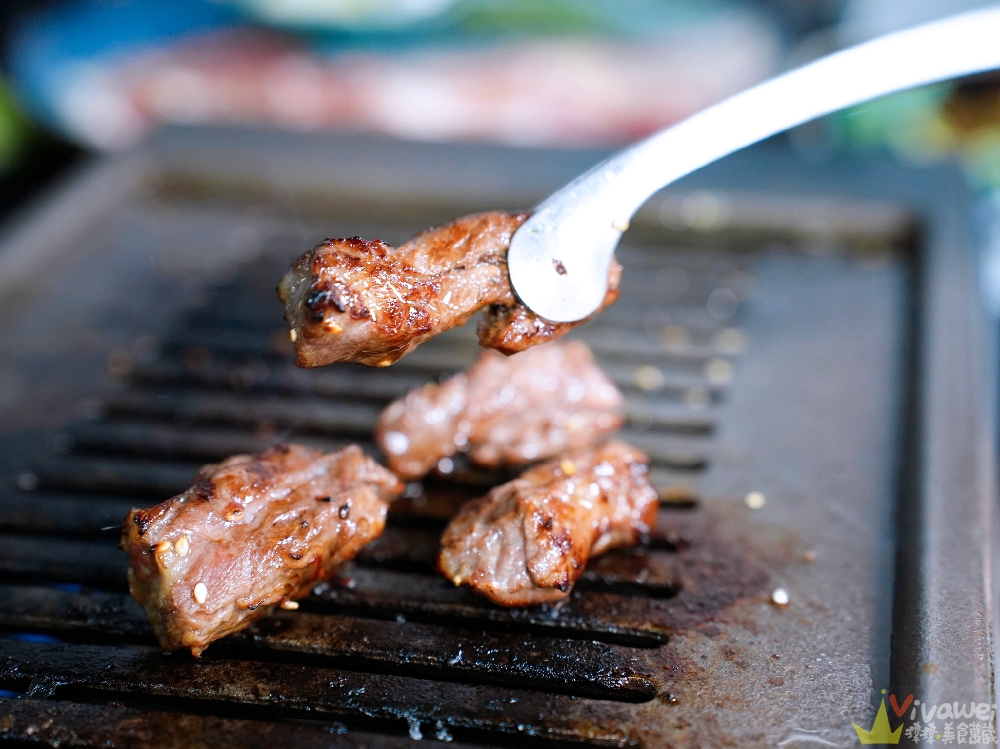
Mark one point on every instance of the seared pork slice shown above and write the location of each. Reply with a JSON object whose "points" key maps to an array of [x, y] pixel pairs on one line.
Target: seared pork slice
{"points": [[528, 540], [252, 533], [363, 301], [503, 411]]}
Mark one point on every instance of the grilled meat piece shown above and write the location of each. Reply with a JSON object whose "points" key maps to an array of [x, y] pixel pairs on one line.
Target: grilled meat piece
{"points": [[504, 411], [250, 534], [364, 301], [527, 541]]}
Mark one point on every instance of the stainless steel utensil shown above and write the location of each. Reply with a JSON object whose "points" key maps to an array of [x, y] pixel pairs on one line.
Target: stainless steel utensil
{"points": [[559, 258]]}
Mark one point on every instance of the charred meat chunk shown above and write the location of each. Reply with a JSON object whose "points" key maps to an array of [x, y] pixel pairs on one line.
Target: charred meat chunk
{"points": [[528, 540], [363, 301], [250, 534], [503, 411]]}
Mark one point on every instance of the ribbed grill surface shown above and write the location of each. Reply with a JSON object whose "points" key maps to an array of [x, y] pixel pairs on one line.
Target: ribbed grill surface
{"points": [[391, 648]]}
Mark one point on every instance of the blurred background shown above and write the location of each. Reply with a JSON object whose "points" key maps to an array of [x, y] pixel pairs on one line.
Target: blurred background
{"points": [[96, 75]]}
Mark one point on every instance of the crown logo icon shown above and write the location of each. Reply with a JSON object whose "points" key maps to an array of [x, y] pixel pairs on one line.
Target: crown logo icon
{"points": [[881, 733]]}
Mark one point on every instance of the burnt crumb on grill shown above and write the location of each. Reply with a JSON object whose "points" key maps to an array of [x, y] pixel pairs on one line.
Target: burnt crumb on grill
{"points": [[503, 411], [204, 571], [363, 301], [527, 541]]}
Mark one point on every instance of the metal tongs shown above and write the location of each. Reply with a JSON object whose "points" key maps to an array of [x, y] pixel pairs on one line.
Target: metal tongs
{"points": [[559, 258]]}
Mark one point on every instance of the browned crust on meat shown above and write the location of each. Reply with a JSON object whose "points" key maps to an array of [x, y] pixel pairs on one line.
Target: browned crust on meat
{"points": [[504, 411], [255, 533], [364, 301], [528, 541]]}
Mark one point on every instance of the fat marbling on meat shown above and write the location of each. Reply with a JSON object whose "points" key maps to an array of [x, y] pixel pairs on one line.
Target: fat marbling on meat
{"points": [[355, 300], [250, 534], [528, 540], [504, 411]]}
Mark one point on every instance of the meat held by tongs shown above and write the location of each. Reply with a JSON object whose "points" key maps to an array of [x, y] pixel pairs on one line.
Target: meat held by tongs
{"points": [[355, 300]]}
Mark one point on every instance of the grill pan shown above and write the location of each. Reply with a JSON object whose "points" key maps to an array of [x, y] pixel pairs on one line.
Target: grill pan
{"points": [[808, 333]]}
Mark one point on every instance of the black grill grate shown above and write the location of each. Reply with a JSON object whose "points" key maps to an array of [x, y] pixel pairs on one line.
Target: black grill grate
{"points": [[222, 382], [719, 348]]}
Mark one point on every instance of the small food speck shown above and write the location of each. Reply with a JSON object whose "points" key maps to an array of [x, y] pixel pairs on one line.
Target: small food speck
{"points": [[674, 337], [162, 547], [729, 341], [567, 467], [719, 372], [697, 397], [200, 593], [559, 266], [293, 335], [182, 545], [755, 500], [780, 598], [647, 377], [289, 605]]}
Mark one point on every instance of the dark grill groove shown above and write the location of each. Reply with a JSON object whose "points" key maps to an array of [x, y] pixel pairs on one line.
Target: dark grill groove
{"points": [[586, 669], [127, 673]]}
